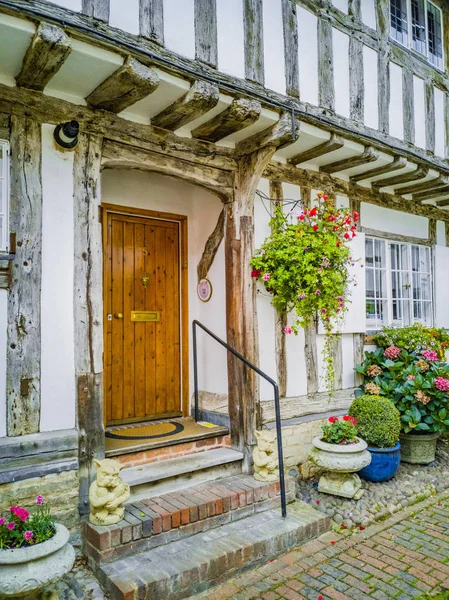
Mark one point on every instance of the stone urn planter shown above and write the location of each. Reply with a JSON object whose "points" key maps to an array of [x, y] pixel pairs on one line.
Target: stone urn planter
{"points": [[24, 572], [341, 463], [418, 448]]}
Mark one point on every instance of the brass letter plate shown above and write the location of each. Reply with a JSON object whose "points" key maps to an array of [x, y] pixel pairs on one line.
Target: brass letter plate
{"points": [[145, 315]]}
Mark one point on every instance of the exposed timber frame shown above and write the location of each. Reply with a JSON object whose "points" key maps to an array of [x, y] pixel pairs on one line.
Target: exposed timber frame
{"points": [[369, 155], [99, 9], [211, 247], [416, 175], [253, 31], [23, 362], [335, 142], [151, 20], [424, 186], [238, 115], [398, 163], [206, 49]]}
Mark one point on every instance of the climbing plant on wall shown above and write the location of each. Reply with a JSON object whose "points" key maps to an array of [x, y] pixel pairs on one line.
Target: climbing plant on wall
{"points": [[304, 264]]}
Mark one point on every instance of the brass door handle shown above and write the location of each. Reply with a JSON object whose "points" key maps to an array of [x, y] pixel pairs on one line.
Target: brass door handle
{"points": [[118, 315]]}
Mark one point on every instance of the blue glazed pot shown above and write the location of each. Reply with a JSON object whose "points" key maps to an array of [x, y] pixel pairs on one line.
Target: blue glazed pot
{"points": [[384, 463]]}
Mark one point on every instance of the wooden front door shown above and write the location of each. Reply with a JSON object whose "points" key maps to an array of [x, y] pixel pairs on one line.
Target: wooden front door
{"points": [[142, 318]]}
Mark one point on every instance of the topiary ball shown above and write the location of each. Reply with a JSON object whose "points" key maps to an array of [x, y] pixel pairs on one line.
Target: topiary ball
{"points": [[378, 420]]}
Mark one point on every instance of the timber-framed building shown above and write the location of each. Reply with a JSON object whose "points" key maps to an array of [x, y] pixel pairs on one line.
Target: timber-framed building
{"points": [[195, 115]]}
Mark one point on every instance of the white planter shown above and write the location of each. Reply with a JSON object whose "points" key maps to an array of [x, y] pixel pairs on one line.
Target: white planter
{"points": [[26, 571], [340, 462]]}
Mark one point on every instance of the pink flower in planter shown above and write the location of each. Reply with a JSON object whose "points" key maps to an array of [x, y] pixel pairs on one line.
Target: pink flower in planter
{"points": [[2, 521], [442, 384], [40, 500], [28, 535], [11, 526]]}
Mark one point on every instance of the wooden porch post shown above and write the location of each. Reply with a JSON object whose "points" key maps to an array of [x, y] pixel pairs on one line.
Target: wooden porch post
{"points": [[88, 290], [244, 410]]}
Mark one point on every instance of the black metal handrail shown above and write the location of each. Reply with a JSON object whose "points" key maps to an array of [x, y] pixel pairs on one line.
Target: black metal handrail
{"points": [[277, 406]]}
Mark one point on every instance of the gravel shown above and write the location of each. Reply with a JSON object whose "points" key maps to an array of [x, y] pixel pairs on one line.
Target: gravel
{"points": [[411, 484]]}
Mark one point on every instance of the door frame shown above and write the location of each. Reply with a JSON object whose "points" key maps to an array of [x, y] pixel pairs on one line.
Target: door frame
{"points": [[107, 209]]}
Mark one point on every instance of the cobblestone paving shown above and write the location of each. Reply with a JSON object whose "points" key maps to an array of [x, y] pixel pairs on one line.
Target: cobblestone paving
{"points": [[405, 557]]}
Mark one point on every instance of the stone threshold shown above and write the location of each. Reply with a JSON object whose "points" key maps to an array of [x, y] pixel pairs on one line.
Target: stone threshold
{"points": [[162, 519]]}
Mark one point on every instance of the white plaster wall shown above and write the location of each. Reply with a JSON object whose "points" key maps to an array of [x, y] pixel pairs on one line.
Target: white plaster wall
{"points": [[371, 106], [440, 128], [3, 342], [419, 111], [347, 345], [441, 285], [396, 105], [179, 26], [57, 351], [340, 43], [393, 221], [307, 55], [156, 192], [125, 15], [368, 10], [341, 4], [230, 38], [71, 4], [273, 46], [441, 233]]}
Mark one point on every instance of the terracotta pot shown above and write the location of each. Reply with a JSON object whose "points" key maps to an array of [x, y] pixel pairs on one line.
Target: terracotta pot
{"points": [[24, 572], [418, 448]]}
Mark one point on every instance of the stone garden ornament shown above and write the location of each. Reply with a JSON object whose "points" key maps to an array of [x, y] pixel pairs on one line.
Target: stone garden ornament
{"points": [[108, 494], [265, 456]]}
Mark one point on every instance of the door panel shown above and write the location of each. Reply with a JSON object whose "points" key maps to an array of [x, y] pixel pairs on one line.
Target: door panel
{"points": [[142, 358]]}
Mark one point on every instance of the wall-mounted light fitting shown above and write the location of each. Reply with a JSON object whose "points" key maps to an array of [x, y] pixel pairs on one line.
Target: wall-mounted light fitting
{"points": [[66, 134]]}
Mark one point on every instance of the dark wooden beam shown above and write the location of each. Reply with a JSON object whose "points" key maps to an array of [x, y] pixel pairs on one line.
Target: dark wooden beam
{"points": [[398, 163], [442, 204], [423, 187], [211, 247], [282, 133], [369, 155], [48, 51], [99, 9], [238, 115], [200, 99], [415, 175], [206, 49], [334, 143], [129, 84], [433, 193], [151, 20]]}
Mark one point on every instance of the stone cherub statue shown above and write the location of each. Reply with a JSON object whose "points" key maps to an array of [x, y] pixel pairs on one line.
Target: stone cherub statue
{"points": [[265, 456], [107, 494]]}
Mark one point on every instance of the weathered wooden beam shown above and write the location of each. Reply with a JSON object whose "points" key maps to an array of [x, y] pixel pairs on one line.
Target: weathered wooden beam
{"points": [[291, 47], [423, 187], [398, 163], [408, 105], [430, 116], [356, 80], [48, 51], [151, 20], [369, 155], [358, 355], [129, 84], [122, 156], [443, 203], [211, 247], [432, 231], [238, 115], [354, 9], [253, 28], [325, 65], [23, 361], [335, 142], [5, 126], [206, 32], [88, 306], [99, 9], [415, 175], [433, 193], [395, 237], [311, 357], [283, 133], [383, 64], [200, 99]]}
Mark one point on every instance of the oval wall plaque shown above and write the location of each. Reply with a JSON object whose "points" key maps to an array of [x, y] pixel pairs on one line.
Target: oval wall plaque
{"points": [[204, 290]]}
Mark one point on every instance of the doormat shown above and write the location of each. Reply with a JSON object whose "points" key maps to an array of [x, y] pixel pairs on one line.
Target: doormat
{"points": [[153, 434]]}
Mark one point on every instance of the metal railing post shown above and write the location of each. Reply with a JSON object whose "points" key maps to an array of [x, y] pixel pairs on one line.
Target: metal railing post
{"points": [[277, 405]]}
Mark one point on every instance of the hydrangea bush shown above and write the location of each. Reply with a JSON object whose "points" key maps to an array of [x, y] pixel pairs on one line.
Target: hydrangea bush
{"points": [[414, 338], [340, 431], [304, 264], [21, 528]]}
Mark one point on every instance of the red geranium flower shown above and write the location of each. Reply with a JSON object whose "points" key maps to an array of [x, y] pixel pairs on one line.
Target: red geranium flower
{"points": [[255, 273], [332, 419]]}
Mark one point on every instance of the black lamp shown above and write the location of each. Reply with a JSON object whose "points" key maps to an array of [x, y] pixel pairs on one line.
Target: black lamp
{"points": [[66, 134]]}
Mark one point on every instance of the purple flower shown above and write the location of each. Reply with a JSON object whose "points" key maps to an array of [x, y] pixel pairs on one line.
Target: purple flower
{"points": [[2, 521], [11, 526], [323, 310], [40, 500]]}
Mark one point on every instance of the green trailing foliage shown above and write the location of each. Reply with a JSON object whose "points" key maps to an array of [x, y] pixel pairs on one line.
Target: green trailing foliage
{"points": [[378, 420]]}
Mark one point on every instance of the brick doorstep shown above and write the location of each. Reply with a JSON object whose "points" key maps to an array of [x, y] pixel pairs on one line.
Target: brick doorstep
{"points": [[164, 518], [188, 566]]}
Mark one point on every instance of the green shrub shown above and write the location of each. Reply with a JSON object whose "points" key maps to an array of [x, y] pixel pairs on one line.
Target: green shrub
{"points": [[378, 420]]}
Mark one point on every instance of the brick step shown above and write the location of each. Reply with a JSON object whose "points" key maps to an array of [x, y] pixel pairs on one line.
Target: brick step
{"points": [[161, 519], [174, 474], [189, 566]]}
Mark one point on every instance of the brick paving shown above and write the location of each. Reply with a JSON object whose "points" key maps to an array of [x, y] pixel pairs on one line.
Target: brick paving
{"points": [[404, 557]]}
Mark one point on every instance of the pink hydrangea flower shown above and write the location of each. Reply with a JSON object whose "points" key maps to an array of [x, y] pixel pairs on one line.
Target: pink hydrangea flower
{"points": [[442, 384], [288, 330], [11, 526], [430, 355], [392, 352], [27, 535], [40, 500], [266, 277]]}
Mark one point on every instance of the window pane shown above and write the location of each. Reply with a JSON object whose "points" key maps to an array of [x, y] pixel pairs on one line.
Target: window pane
{"points": [[425, 287], [418, 26], [435, 35], [379, 253], [369, 283], [424, 257], [369, 253], [398, 19]]}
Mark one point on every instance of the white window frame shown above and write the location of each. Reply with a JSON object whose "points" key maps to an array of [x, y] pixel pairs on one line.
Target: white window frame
{"points": [[389, 287], [409, 44], [4, 209]]}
